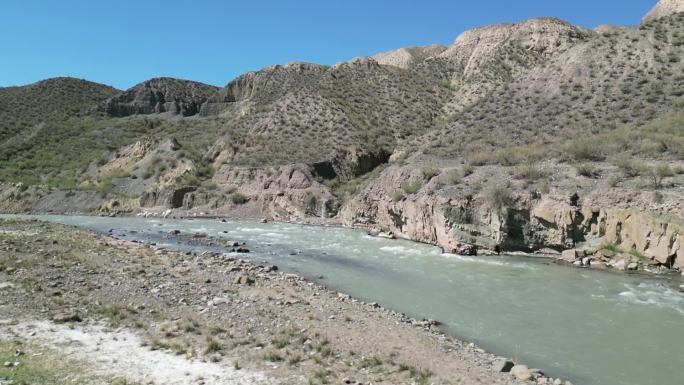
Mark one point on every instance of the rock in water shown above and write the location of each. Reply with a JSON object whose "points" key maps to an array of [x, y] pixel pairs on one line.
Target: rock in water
{"points": [[521, 372]]}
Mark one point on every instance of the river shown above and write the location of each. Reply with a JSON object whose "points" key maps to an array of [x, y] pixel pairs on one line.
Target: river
{"points": [[593, 327]]}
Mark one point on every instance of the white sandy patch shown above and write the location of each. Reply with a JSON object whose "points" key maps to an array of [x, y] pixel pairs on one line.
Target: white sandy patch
{"points": [[121, 354], [21, 233]]}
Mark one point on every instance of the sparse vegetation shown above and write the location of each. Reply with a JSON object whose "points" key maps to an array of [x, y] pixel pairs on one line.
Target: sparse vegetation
{"points": [[238, 198], [411, 187]]}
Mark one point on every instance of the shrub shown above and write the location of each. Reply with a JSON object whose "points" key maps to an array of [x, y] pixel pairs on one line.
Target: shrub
{"points": [[630, 167], [453, 177], [397, 195], [507, 157], [657, 197], [105, 187], [429, 173], [544, 186], [237, 198], [657, 173], [411, 187], [530, 172], [498, 197], [613, 181], [638, 254], [119, 173], [585, 149], [467, 169], [586, 169], [272, 357], [610, 247]]}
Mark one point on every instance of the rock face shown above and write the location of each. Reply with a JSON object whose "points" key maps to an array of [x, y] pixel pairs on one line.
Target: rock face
{"points": [[171, 198], [284, 193], [664, 8], [406, 57], [474, 50], [658, 239], [467, 223], [160, 95]]}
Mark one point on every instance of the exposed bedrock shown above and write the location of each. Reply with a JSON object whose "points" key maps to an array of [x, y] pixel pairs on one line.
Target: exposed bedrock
{"points": [[286, 193], [471, 224]]}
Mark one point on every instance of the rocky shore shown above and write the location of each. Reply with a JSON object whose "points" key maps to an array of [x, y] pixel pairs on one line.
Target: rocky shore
{"points": [[219, 309]]}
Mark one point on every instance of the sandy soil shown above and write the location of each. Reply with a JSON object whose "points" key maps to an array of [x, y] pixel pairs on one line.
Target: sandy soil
{"points": [[122, 353]]}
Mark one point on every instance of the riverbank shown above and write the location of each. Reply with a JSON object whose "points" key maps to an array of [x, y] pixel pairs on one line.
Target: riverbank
{"points": [[598, 254], [210, 308]]}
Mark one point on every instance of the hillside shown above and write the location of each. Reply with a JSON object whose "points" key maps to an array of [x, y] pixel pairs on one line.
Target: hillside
{"points": [[45, 101], [160, 95], [517, 136]]}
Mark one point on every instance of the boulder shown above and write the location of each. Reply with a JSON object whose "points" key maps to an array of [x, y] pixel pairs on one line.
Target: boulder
{"points": [[521, 372], [633, 266], [465, 249], [502, 366], [571, 255], [243, 280], [597, 264], [620, 264], [66, 317]]}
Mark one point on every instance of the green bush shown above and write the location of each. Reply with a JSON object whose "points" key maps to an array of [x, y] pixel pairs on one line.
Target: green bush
{"points": [[105, 188]]}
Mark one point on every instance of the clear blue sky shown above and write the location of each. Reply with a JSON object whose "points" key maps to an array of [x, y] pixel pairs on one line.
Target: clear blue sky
{"points": [[124, 42]]}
